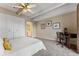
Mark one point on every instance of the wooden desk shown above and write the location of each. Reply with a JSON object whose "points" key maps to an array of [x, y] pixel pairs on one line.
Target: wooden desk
{"points": [[65, 38]]}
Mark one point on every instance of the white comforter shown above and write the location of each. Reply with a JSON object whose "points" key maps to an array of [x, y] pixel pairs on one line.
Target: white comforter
{"points": [[25, 46]]}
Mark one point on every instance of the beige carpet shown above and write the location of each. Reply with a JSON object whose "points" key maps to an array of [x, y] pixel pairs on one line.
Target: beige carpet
{"points": [[54, 50]]}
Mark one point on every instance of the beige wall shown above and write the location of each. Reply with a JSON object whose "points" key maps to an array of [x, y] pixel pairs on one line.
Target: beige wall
{"points": [[34, 29], [66, 20]]}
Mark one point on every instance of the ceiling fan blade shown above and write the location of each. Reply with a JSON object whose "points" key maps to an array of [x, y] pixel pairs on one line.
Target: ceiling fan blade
{"points": [[19, 12], [30, 11], [31, 6], [23, 4], [17, 7]]}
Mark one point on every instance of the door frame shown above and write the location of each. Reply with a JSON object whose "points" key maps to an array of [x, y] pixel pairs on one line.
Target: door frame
{"points": [[77, 28]]}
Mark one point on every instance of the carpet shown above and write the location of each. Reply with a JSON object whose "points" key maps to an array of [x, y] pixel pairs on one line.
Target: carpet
{"points": [[55, 50]]}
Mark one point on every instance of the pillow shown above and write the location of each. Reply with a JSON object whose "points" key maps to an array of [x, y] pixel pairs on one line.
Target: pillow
{"points": [[6, 44]]}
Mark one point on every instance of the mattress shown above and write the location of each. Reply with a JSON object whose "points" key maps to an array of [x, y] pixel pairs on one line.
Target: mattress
{"points": [[25, 46]]}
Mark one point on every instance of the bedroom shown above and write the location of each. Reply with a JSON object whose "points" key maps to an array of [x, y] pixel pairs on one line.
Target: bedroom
{"points": [[26, 30]]}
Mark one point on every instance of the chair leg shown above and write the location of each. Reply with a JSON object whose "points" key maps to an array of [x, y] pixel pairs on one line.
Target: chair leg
{"points": [[62, 43], [58, 41]]}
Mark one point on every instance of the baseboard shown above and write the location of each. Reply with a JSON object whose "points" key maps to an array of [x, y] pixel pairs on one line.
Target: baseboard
{"points": [[44, 38]]}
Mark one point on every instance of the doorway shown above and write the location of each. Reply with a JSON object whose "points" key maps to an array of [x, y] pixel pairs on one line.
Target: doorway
{"points": [[29, 28]]}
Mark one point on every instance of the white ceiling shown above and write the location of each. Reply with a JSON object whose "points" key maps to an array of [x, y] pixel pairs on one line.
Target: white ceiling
{"points": [[61, 9], [40, 7], [43, 9]]}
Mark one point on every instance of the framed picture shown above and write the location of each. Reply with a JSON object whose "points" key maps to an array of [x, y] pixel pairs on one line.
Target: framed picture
{"points": [[43, 26], [56, 25], [49, 23]]}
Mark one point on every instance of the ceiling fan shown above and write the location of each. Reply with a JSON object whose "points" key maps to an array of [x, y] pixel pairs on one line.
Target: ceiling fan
{"points": [[24, 7]]}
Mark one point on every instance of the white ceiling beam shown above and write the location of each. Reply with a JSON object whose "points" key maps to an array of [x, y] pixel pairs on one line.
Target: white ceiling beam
{"points": [[58, 11], [46, 11]]}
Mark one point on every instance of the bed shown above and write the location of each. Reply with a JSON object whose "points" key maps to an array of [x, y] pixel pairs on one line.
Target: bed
{"points": [[24, 46]]}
